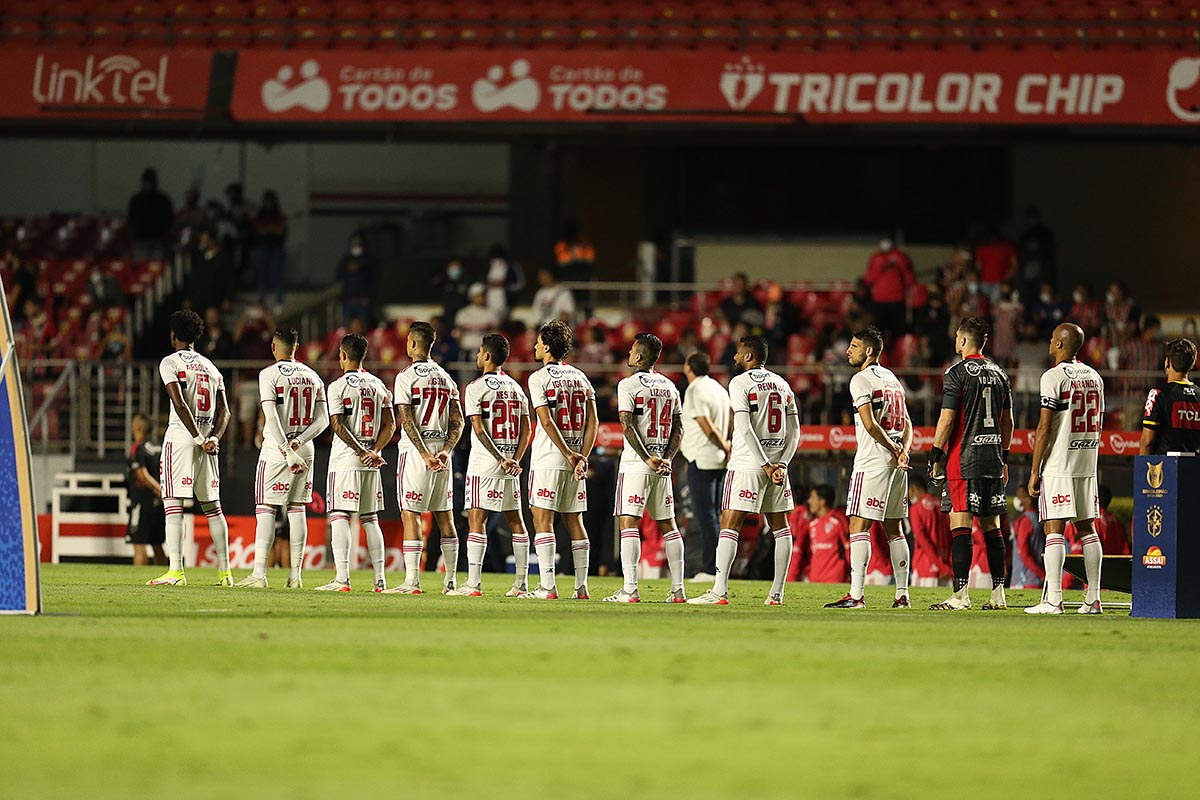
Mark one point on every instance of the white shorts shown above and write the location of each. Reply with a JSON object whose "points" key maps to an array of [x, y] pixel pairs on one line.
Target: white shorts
{"points": [[879, 494], [753, 492], [638, 492], [187, 471], [493, 493], [1072, 499], [275, 485], [419, 490], [355, 490], [557, 490]]}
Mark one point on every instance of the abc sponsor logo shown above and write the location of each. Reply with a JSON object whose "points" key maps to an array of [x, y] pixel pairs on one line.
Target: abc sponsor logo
{"points": [[547, 494], [495, 494], [350, 495], [186, 481], [1060, 499], [581, 496], [747, 494], [414, 497], [635, 499], [874, 502], [1154, 559], [280, 487]]}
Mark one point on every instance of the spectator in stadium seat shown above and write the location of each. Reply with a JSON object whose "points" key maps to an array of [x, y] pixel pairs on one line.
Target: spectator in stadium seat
{"points": [[505, 281], [932, 320], [22, 283], [780, 319], [1144, 352], [270, 234], [707, 426], [452, 285], [188, 219], [1028, 541], [114, 344], [889, 279], [740, 302], [103, 289], [1007, 316], [1121, 314], [238, 214], [1086, 311], [216, 343], [252, 334], [552, 301], [1114, 536], [150, 217], [1047, 310], [210, 282], [1035, 254], [356, 272], [595, 350], [973, 301], [475, 319], [996, 260]]}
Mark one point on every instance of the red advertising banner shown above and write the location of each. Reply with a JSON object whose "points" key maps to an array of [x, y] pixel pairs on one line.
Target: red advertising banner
{"points": [[1139, 88], [102, 83]]}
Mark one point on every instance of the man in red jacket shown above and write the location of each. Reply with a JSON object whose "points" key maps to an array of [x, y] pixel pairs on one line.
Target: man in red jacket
{"points": [[889, 277], [829, 538], [931, 534]]}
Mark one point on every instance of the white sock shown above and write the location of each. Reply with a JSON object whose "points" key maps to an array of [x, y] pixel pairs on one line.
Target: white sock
{"points": [[1093, 556], [450, 556], [370, 526], [783, 557], [580, 551], [476, 547], [412, 561], [1055, 554], [900, 565], [631, 554], [727, 545], [339, 522], [520, 543], [219, 529], [860, 554], [264, 536], [543, 544], [297, 538], [173, 508], [673, 547]]}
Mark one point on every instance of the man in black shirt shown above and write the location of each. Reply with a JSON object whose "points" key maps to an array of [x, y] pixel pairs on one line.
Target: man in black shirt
{"points": [[147, 523], [1172, 420], [970, 453], [151, 217]]}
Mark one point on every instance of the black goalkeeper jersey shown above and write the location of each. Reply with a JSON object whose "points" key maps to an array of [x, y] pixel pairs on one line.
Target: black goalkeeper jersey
{"points": [[1173, 413], [978, 391]]}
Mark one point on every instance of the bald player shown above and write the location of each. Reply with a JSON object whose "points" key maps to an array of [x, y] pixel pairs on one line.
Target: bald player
{"points": [[1064, 466]]}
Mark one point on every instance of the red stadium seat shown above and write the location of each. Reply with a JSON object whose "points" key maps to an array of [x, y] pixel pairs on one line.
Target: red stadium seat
{"points": [[309, 36], [389, 35], [148, 10], [920, 36], [596, 11], [314, 12], [595, 37], [475, 36], [639, 35], [430, 36], [187, 11], [271, 10], [433, 11], [714, 12], [718, 37], [192, 34], [1001, 37], [67, 32], [231, 35], [391, 10], [474, 11], [798, 38], [543, 11], [665, 11], [880, 37], [756, 11], [353, 12], [27, 31], [760, 37], [837, 37], [268, 35], [957, 37], [676, 37], [352, 37], [108, 33], [552, 36], [109, 11], [229, 11]]}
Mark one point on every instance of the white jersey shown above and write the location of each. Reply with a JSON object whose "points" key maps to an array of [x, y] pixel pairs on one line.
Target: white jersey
{"points": [[653, 401], [767, 400], [200, 381], [500, 403], [360, 398], [428, 390], [567, 392], [296, 394], [1075, 393], [877, 386]]}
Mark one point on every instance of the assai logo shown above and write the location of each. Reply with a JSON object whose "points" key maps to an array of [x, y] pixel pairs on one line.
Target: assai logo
{"points": [[1154, 520], [1154, 558]]}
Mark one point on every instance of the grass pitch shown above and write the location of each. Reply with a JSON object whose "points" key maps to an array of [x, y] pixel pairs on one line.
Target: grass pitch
{"points": [[207, 691]]}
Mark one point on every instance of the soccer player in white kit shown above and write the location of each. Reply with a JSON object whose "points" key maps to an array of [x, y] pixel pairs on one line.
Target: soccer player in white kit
{"points": [[360, 413], [292, 397], [766, 431], [500, 432], [431, 423], [189, 468], [652, 420], [878, 483], [1065, 453], [565, 404]]}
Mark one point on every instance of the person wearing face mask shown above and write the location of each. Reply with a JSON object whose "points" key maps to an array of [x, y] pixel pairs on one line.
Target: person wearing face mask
{"points": [[356, 271], [889, 279], [1048, 312], [1121, 314], [1006, 320], [1086, 311], [1027, 542], [974, 302], [453, 285]]}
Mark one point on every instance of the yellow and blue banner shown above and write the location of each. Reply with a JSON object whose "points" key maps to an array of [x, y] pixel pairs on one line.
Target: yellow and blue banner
{"points": [[20, 584]]}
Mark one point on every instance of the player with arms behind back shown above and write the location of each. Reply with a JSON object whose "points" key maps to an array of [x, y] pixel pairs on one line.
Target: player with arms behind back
{"points": [[360, 413], [652, 421], [970, 453], [500, 431], [1065, 452], [879, 483], [565, 404], [766, 431], [189, 468], [431, 422], [292, 397]]}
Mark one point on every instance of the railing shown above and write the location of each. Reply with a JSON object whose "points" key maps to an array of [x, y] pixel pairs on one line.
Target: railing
{"points": [[86, 409]]}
